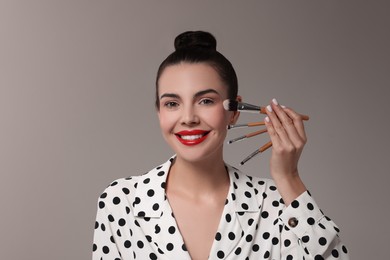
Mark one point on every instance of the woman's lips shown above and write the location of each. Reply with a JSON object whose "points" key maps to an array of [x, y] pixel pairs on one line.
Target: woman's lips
{"points": [[191, 137]]}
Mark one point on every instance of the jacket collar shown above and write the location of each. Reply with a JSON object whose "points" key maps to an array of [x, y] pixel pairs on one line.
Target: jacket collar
{"points": [[241, 192]]}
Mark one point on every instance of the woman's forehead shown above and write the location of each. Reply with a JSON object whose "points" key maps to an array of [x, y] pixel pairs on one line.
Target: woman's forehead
{"points": [[191, 78]]}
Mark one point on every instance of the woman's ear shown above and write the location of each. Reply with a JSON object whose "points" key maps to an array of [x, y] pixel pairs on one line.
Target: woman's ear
{"points": [[235, 114]]}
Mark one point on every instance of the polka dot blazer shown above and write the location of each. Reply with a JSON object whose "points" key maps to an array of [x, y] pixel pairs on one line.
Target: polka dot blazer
{"points": [[135, 221]]}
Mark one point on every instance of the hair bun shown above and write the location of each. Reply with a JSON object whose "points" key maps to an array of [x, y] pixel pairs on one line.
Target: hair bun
{"points": [[195, 40]]}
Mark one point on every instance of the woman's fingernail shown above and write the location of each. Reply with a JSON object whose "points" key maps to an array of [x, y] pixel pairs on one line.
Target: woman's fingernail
{"points": [[269, 108], [283, 106], [267, 118], [275, 101]]}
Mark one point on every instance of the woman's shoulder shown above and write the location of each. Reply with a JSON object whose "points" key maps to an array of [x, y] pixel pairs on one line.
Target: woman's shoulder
{"points": [[263, 188], [133, 186]]}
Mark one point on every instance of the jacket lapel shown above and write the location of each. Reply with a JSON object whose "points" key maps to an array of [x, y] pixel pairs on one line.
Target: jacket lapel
{"points": [[155, 217], [241, 206]]}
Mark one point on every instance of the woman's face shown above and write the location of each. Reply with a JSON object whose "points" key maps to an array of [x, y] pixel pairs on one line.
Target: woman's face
{"points": [[192, 118]]}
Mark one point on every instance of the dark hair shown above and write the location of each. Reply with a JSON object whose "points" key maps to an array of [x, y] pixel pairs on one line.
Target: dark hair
{"points": [[200, 47]]}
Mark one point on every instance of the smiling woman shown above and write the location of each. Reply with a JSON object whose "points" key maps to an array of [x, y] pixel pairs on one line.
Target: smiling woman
{"points": [[196, 206]]}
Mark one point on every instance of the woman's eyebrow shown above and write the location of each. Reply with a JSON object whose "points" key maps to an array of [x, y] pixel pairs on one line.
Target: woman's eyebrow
{"points": [[197, 94], [170, 95], [204, 92]]}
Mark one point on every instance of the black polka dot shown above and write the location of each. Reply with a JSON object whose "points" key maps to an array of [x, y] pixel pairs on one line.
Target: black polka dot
{"points": [[264, 214], [255, 247], [101, 204], [287, 242], [305, 239], [171, 230], [266, 235], [318, 257], [231, 236], [170, 246], [150, 193], [122, 222], [238, 251], [322, 241], [218, 236], [156, 206], [248, 194], [310, 206], [127, 244], [160, 173], [335, 253], [106, 250], [273, 188], [245, 206], [249, 238], [295, 204], [94, 247], [140, 244], [228, 218], [310, 221], [157, 229], [220, 254], [116, 200], [152, 256], [275, 241], [126, 191], [104, 195], [147, 180]]}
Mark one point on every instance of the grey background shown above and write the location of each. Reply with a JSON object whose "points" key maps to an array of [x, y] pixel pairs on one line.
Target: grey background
{"points": [[76, 107]]}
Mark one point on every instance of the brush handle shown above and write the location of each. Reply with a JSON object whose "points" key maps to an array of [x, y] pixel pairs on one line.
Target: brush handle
{"points": [[263, 111], [256, 133], [265, 147]]}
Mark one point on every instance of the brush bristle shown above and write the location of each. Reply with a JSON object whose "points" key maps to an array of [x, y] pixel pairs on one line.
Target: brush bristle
{"points": [[230, 105]]}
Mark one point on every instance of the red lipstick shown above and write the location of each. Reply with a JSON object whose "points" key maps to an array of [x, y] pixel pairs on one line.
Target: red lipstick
{"points": [[191, 137]]}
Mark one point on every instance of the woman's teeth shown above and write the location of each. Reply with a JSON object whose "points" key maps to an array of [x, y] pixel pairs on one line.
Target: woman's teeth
{"points": [[191, 137]]}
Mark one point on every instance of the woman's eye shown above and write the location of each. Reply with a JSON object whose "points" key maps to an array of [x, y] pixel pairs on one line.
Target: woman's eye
{"points": [[206, 101], [170, 104]]}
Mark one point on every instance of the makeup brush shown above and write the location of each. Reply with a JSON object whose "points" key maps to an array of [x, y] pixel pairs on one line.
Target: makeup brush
{"points": [[233, 105], [246, 125], [260, 150], [247, 136]]}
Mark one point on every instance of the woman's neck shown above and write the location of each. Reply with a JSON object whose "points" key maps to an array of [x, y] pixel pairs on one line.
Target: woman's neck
{"points": [[197, 179]]}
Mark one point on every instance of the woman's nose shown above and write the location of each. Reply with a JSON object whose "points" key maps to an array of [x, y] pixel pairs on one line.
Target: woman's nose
{"points": [[189, 116]]}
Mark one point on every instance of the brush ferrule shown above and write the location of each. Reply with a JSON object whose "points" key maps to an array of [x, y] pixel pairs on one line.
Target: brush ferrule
{"points": [[250, 157], [247, 107], [237, 126], [237, 139]]}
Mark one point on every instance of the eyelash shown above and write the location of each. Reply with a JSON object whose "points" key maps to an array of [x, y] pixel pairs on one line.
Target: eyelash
{"points": [[204, 101], [208, 100], [170, 104]]}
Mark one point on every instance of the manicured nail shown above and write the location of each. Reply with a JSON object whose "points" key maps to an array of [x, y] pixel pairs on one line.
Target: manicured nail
{"points": [[275, 101], [283, 106], [269, 108], [266, 119]]}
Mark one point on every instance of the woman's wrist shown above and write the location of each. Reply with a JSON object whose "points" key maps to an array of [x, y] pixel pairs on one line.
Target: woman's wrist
{"points": [[290, 187]]}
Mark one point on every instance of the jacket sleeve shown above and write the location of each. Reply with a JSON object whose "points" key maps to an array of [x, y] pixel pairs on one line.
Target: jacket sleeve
{"points": [[308, 234], [104, 246]]}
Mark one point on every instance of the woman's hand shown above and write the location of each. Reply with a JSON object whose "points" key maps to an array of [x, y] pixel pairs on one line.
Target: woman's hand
{"points": [[288, 137]]}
